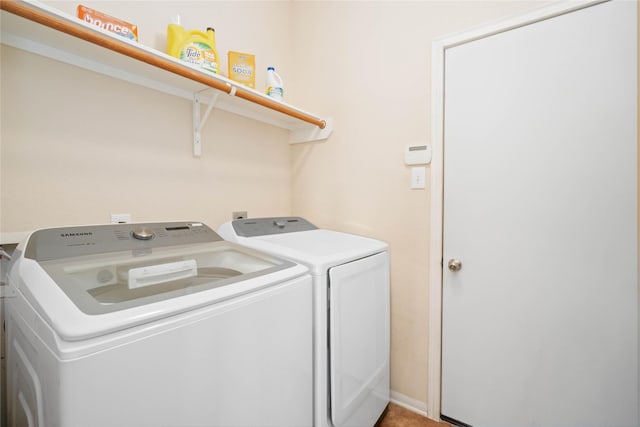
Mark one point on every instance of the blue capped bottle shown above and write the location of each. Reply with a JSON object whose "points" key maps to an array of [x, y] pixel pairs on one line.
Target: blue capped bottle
{"points": [[275, 88]]}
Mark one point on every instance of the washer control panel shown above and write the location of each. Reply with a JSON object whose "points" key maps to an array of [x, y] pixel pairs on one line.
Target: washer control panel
{"points": [[65, 242], [253, 227]]}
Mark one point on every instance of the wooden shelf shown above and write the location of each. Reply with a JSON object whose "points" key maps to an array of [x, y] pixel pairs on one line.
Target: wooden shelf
{"points": [[40, 29]]}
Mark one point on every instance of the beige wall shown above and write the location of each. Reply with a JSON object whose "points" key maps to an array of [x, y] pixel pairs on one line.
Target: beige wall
{"points": [[367, 64], [77, 146]]}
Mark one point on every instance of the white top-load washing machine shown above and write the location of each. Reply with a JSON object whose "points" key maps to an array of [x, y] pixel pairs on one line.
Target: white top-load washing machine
{"points": [[351, 312], [161, 324]]}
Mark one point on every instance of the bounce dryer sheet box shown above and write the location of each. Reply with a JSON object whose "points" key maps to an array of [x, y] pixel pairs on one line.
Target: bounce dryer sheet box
{"points": [[107, 22], [242, 68]]}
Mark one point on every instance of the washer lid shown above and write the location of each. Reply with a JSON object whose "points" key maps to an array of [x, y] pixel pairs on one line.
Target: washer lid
{"points": [[104, 283], [101, 279]]}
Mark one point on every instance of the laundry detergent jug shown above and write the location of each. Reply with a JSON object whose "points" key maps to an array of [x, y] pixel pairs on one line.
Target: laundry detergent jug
{"points": [[193, 46]]}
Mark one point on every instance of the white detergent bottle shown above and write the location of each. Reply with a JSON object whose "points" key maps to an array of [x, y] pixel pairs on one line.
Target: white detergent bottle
{"points": [[274, 84]]}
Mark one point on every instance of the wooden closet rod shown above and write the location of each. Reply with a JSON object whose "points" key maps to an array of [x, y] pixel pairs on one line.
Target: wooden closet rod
{"points": [[110, 43]]}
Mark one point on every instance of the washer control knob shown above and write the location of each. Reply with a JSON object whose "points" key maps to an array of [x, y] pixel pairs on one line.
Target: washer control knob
{"points": [[142, 233], [279, 224]]}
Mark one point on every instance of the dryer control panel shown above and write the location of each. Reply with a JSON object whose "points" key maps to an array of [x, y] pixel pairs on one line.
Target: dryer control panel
{"points": [[254, 227]]}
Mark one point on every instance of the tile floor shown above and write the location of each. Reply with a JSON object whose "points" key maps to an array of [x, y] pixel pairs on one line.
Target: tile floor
{"points": [[397, 416]]}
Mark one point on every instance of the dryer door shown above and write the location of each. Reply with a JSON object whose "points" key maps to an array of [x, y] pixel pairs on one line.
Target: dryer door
{"points": [[359, 340]]}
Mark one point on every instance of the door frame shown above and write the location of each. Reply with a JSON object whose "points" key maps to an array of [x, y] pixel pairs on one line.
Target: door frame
{"points": [[438, 49]]}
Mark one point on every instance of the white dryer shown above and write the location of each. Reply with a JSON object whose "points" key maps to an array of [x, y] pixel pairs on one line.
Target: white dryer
{"points": [[351, 312], [161, 324]]}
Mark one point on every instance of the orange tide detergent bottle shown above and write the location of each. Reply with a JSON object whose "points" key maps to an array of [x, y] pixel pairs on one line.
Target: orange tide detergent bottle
{"points": [[193, 46]]}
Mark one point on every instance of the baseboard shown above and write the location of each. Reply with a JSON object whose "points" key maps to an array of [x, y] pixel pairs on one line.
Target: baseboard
{"points": [[409, 403]]}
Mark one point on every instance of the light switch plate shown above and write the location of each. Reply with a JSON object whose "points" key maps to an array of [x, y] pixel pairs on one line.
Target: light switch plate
{"points": [[418, 178]]}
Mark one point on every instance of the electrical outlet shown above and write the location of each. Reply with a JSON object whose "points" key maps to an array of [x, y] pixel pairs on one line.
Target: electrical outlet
{"points": [[239, 215], [120, 218]]}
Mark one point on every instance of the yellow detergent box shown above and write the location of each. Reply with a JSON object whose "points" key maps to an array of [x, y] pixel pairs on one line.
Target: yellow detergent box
{"points": [[242, 68]]}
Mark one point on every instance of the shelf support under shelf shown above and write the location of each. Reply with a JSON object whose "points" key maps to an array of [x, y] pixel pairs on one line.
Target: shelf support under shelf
{"points": [[198, 123], [306, 133]]}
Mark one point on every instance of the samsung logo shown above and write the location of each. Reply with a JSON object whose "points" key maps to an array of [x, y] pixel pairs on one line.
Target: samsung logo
{"points": [[87, 233]]}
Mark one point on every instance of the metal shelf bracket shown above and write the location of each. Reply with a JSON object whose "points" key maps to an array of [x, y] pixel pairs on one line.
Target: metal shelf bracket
{"points": [[198, 122]]}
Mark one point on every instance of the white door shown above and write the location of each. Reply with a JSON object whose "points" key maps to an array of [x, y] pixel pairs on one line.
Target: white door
{"points": [[540, 324]]}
